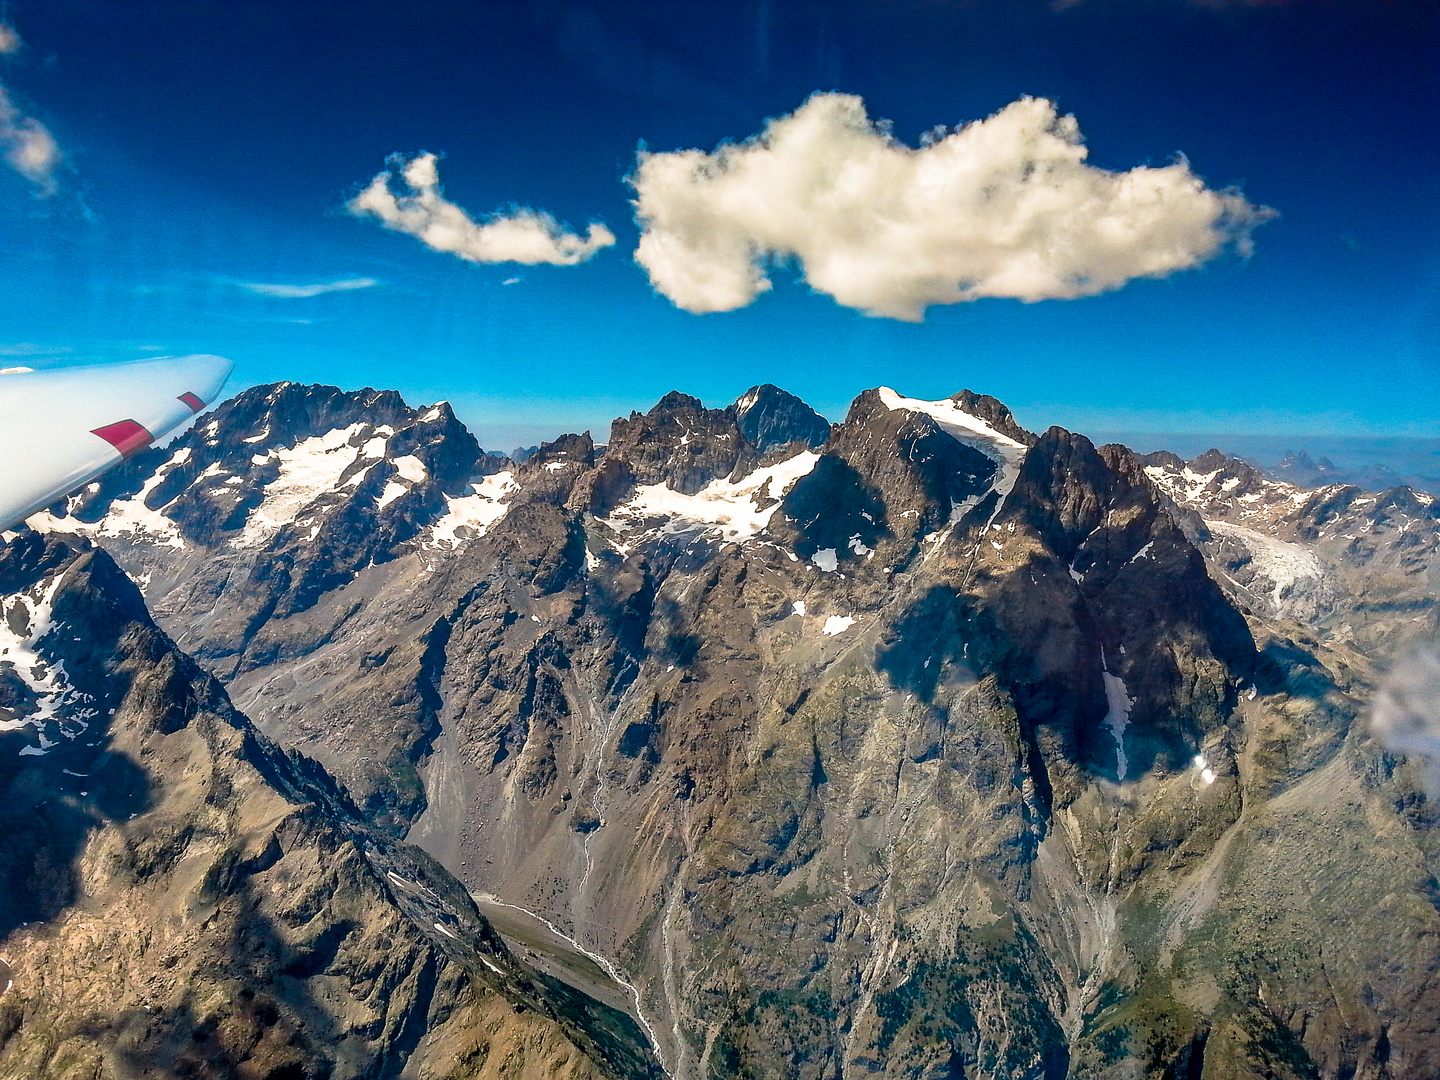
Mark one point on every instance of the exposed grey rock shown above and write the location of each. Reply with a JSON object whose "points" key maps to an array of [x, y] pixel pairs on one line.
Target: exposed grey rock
{"points": [[770, 418], [924, 760]]}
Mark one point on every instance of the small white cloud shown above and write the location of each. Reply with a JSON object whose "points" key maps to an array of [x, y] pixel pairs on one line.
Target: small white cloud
{"points": [[318, 289], [512, 281], [30, 149], [522, 235], [10, 42], [1002, 207]]}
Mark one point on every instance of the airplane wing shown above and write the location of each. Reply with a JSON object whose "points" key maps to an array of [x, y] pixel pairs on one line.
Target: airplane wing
{"points": [[62, 428]]}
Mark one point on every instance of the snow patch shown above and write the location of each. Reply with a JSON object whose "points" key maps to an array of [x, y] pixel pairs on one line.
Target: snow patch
{"points": [[730, 508], [826, 560], [56, 700], [838, 624], [309, 469], [474, 513], [1117, 717], [798, 607], [1284, 564], [128, 517]]}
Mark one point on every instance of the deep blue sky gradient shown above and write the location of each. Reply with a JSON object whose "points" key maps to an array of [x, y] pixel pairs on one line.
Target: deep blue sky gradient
{"points": [[215, 143]]}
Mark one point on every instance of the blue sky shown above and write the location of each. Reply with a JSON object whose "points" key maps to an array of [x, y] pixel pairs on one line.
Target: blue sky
{"points": [[212, 147]]}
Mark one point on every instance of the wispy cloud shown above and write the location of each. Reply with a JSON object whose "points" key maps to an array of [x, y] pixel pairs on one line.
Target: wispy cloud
{"points": [[521, 235], [1406, 713], [1002, 207], [292, 292], [29, 148], [27, 348]]}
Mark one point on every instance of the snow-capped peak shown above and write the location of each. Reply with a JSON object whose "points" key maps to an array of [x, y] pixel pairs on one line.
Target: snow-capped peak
{"points": [[966, 428]]}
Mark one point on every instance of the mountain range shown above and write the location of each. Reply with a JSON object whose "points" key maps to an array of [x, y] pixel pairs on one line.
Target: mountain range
{"points": [[917, 745]]}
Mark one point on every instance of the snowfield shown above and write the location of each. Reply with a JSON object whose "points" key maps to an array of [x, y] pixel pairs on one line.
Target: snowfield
{"points": [[475, 512], [731, 509]]}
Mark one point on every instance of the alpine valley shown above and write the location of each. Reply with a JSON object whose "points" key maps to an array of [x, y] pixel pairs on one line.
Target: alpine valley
{"points": [[916, 746]]}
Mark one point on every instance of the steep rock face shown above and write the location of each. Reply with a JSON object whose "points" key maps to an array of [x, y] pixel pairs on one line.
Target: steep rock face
{"points": [[769, 418], [679, 443], [888, 477], [932, 750], [179, 897], [1140, 629]]}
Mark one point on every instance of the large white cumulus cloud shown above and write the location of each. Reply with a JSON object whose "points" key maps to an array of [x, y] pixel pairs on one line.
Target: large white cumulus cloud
{"points": [[1003, 207], [522, 236]]}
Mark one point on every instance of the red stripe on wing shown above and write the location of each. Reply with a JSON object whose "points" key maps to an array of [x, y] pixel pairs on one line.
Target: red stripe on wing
{"points": [[126, 436], [192, 401]]}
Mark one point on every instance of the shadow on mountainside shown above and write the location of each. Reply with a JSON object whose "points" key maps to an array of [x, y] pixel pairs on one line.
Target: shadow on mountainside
{"points": [[59, 778]]}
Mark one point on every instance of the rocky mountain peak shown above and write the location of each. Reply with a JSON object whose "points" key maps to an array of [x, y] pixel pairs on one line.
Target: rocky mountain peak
{"points": [[675, 401], [994, 413], [679, 442], [887, 472], [570, 449], [1303, 463], [1090, 586], [1218, 486], [290, 411], [682, 446], [769, 417]]}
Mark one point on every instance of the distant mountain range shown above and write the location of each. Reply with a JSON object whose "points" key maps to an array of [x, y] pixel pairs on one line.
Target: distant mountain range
{"points": [[916, 745], [1372, 463], [1301, 470]]}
